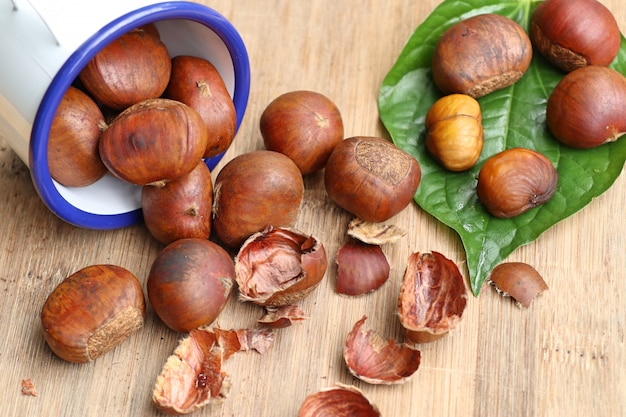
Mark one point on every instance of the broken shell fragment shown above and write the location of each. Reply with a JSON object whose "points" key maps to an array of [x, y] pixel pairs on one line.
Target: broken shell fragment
{"points": [[339, 401], [375, 233], [432, 298], [279, 266], [361, 268], [518, 280], [280, 317], [377, 361]]}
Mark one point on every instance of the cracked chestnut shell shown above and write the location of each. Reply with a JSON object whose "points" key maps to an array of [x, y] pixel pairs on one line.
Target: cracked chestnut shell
{"points": [[92, 311], [153, 142], [514, 181], [190, 282], [134, 67], [518, 280], [574, 33], [338, 401], [432, 297], [481, 54], [279, 266], [586, 108], [371, 178]]}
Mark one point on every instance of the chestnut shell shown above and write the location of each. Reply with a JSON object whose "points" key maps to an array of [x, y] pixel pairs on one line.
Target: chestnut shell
{"points": [[338, 401]]}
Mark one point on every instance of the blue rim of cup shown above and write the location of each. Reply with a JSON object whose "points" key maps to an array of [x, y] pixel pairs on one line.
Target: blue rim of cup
{"points": [[38, 155]]}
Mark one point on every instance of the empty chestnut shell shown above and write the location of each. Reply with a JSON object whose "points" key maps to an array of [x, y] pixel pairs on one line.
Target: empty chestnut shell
{"points": [[432, 298], [371, 178], [338, 401], [279, 266]]}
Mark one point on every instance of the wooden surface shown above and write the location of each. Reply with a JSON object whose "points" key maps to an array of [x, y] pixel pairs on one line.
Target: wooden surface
{"points": [[565, 356]]}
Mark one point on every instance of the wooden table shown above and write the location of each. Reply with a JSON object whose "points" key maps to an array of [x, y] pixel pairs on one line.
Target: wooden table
{"points": [[566, 355]]}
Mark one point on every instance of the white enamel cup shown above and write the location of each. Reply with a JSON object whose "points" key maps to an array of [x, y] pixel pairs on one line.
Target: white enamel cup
{"points": [[45, 44]]}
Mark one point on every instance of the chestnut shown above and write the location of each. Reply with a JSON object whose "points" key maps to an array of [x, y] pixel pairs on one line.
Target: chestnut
{"points": [[432, 297], [514, 181], [153, 142], [73, 156], [132, 68], [279, 266], [197, 83], [586, 108], [255, 190], [92, 311], [371, 178], [181, 208], [304, 125], [481, 54], [190, 282], [574, 33]]}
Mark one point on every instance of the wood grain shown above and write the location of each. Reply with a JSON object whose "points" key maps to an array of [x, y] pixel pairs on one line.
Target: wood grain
{"points": [[565, 355]]}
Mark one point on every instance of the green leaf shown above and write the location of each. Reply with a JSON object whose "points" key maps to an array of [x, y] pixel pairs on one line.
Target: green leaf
{"points": [[512, 117]]}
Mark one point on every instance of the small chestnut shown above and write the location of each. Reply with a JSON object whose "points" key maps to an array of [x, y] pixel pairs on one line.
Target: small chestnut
{"points": [[92, 311], [304, 125], [197, 83], [481, 54], [586, 108], [153, 142], [573, 33], [190, 282], [73, 156], [255, 190], [514, 181], [134, 67], [371, 178], [454, 131]]}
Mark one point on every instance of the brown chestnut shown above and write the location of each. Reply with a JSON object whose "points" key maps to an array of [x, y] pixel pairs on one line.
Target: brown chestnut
{"points": [[253, 191], [181, 208], [432, 298], [586, 108], [481, 54], [73, 156], [153, 142], [573, 33], [190, 282], [514, 181], [304, 125], [92, 311], [197, 83], [371, 178], [134, 67], [279, 266]]}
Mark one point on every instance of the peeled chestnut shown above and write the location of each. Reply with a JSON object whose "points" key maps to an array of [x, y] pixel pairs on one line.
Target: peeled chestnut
{"points": [[304, 125], [573, 33], [432, 298], [586, 108], [153, 142], [371, 178], [255, 190], [180, 208], [197, 83], [92, 311], [514, 181], [73, 156], [481, 54], [279, 266], [189, 283], [132, 68], [454, 131]]}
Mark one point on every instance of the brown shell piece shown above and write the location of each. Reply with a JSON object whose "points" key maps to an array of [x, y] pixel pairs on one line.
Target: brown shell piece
{"points": [[375, 233], [361, 268], [192, 377], [280, 317], [432, 298], [279, 266], [518, 280], [338, 401], [377, 361]]}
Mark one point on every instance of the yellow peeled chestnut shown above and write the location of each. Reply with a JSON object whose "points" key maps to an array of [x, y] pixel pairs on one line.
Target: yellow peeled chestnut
{"points": [[454, 131]]}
